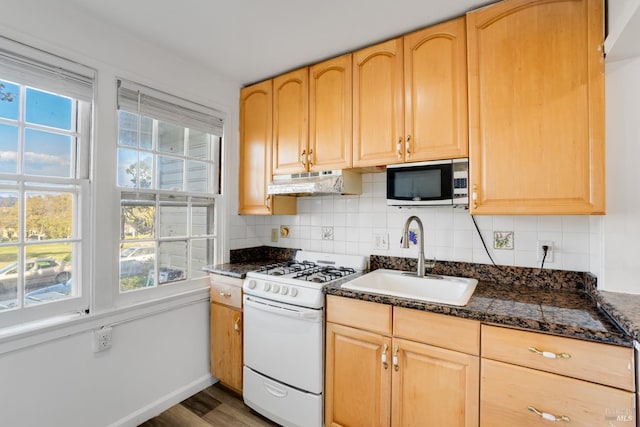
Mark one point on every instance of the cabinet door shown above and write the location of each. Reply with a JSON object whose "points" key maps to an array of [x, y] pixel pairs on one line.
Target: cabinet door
{"points": [[290, 121], [255, 148], [536, 107], [435, 80], [434, 387], [378, 134], [226, 346], [330, 123], [357, 383], [511, 395]]}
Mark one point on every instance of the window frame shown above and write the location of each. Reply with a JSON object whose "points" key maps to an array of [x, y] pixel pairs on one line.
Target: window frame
{"points": [[31, 68], [214, 197]]}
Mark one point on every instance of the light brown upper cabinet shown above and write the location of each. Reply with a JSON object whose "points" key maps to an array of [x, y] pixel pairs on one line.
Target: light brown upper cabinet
{"points": [[536, 107], [435, 93], [290, 121], [378, 132], [330, 123], [410, 98], [255, 154]]}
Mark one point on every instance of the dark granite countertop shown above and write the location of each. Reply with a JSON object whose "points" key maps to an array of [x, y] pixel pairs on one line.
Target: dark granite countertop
{"points": [[569, 313], [245, 260], [624, 308], [238, 270], [555, 302]]}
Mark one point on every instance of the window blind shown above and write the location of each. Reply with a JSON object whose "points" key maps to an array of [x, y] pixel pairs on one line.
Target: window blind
{"points": [[158, 105], [45, 71]]}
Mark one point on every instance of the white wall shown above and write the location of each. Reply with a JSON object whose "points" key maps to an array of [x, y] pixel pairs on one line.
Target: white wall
{"points": [[155, 362], [53, 378], [621, 260], [449, 233]]}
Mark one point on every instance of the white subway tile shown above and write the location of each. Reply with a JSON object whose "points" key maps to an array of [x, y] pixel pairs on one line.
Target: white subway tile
{"points": [[525, 223]]}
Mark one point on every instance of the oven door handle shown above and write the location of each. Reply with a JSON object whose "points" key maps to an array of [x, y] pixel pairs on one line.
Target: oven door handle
{"points": [[296, 313], [274, 391]]}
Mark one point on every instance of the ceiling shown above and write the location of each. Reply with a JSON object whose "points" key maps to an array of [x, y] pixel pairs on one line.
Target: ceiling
{"points": [[251, 40]]}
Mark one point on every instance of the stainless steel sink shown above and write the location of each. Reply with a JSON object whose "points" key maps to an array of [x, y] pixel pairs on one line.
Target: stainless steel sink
{"points": [[431, 288]]}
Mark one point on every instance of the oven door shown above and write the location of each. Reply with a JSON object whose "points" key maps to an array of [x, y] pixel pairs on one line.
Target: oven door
{"points": [[284, 342]]}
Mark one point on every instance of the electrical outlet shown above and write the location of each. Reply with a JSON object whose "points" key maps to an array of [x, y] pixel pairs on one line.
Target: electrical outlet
{"points": [[102, 339], [549, 257], [381, 241], [274, 234]]}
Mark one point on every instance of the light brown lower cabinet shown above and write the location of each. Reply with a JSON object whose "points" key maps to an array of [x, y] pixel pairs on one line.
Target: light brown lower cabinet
{"points": [[393, 366], [358, 386], [518, 396], [534, 379], [376, 379], [226, 331]]}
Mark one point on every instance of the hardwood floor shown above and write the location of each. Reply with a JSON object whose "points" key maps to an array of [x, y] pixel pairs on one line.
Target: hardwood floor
{"points": [[214, 406]]}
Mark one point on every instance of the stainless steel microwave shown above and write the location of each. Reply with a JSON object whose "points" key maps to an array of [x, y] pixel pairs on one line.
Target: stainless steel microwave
{"points": [[436, 183]]}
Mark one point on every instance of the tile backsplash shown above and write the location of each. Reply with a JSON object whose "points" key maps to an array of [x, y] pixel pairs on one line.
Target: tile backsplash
{"points": [[450, 234]]}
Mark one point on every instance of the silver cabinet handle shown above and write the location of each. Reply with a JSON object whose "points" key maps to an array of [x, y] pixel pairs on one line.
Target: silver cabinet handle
{"points": [[395, 358], [549, 354], [225, 294], [310, 157], [549, 417], [399, 148], [303, 159], [267, 202], [474, 196], [407, 147], [236, 324], [384, 356]]}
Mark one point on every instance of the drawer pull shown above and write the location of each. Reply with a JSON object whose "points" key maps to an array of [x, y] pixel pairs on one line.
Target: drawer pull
{"points": [[384, 356], [395, 358], [549, 417], [225, 294], [550, 355]]}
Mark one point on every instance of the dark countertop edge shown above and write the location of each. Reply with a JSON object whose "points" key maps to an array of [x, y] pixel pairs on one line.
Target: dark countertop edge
{"points": [[237, 270], [620, 308], [607, 337]]}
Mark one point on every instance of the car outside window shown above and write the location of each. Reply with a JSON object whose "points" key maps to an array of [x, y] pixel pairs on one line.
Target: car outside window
{"points": [[168, 160], [45, 137]]}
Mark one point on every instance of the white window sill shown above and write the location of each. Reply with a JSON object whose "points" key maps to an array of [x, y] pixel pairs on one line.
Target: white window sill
{"points": [[33, 333]]}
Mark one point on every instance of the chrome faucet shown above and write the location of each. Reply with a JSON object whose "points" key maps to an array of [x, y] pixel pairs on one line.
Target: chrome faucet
{"points": [[405, 242]]}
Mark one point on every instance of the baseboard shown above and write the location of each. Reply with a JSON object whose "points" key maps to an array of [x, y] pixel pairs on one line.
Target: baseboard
{"points": [[162, 404]]}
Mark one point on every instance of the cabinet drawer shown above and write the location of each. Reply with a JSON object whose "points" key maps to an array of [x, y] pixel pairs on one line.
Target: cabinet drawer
{"points": [[601, 363], [366, 315], [437, 329], [226, 290], [508, 391]]}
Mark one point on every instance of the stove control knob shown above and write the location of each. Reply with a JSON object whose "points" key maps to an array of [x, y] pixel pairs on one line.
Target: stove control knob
{"points": [[275, 289], [267, 286], [284, 290], [293, 292], [251, 284]]}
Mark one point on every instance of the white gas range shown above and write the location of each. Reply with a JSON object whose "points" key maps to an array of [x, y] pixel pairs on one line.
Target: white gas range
{"points": [[283, 372]]}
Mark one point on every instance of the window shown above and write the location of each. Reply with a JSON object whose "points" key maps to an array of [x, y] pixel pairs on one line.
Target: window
{"points": [[45, 122], [168, 175]]}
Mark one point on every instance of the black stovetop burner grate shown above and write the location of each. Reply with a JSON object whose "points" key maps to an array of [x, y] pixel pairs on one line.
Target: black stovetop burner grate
{"points": [[322, 274], [286, 267]]}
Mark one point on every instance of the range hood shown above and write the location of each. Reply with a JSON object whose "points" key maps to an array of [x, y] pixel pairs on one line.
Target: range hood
{"points": [[316, 183]]}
